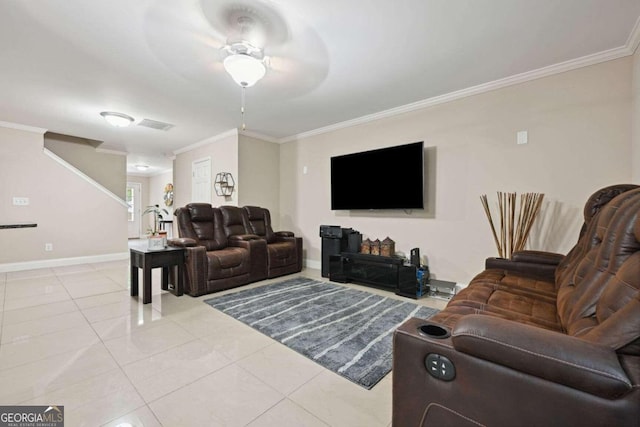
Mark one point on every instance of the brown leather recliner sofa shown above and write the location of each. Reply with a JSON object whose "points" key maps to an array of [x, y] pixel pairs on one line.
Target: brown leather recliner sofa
{"points": [[225, 248], [538, 340]]}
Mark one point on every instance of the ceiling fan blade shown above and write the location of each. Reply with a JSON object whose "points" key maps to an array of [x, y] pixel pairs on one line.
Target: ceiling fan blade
{"points": [[300, 64], [182, 39], [253, 21]]}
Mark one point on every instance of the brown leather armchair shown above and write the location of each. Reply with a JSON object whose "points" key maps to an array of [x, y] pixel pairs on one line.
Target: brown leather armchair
{"points": [[284, 250], [521, 347], [214, 261]]}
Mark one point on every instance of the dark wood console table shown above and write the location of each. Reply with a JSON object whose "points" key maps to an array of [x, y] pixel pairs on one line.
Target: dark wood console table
{"points": [[145, 258], [373, 270]]}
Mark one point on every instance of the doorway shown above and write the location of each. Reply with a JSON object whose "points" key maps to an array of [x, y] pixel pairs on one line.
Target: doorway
{"points": [[134, 209], [201, 182]]}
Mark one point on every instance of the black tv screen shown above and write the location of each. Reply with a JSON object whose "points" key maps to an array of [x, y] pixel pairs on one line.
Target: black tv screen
{"points": [[387, 178]]}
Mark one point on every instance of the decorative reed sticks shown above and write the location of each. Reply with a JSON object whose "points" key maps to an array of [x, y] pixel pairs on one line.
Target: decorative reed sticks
{"points": [[513, 231]]}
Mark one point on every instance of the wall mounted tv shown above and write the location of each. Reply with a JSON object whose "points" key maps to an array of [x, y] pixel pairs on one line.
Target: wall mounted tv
{"points": [[387, 178]]}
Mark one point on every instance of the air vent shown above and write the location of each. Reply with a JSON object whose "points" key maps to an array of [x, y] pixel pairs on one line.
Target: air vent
{"points": [[155, 125]]}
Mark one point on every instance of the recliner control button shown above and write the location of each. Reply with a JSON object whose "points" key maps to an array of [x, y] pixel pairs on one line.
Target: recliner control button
{"points": [[440, 367]]}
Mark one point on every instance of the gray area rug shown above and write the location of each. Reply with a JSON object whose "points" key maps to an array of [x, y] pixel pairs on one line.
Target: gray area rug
{"points": [[347, 331]]}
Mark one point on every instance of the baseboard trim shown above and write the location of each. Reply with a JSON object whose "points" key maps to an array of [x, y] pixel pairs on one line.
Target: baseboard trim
{"points": [[312, 264], [61, 262]]}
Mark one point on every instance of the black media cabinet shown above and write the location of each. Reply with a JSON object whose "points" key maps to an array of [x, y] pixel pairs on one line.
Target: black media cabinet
{"points": [[373, 270]]}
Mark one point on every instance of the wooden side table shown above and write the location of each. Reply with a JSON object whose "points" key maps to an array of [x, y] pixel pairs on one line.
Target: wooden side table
{"points": [[146, 259]]}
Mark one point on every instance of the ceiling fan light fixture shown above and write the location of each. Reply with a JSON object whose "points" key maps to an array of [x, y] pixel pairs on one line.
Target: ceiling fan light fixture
{"points": [[117, 119], [244, 69]]}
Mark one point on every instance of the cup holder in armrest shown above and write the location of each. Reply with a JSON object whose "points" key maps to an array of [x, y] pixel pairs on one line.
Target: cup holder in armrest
{"points": [[434, 331]]}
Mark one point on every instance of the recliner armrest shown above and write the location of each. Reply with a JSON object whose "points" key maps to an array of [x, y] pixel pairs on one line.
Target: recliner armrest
{"points": [[550, 355], [183, 242], [531, 263], [284, 234], [250, 242], [243, 237], [537, 257]]}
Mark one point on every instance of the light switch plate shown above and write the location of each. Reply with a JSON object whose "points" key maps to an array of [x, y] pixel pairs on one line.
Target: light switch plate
{"points": [[522, 137]]}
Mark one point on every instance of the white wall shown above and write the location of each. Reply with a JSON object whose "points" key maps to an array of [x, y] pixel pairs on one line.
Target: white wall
{"points": [[259, 176], [254, 164], [78, 219], [579, 140], [224, 158], [105, 168], [156, 190]]}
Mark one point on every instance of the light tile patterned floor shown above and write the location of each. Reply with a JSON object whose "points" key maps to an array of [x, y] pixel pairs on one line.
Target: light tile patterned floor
{"points": [[73, 336]]}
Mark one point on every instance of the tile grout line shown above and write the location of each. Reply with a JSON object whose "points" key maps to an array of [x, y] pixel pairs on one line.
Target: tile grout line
{"points": [[187, 384], [122, 366], [168, 308], [232, 362], [22, 308], [284, 396], [119, 366], [138, 408], [36, 305], [71, 351], [75, 350], [102, 341]]}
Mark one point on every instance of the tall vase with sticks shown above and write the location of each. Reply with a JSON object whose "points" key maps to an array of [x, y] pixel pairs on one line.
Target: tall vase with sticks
{"points": [[514, 231]]}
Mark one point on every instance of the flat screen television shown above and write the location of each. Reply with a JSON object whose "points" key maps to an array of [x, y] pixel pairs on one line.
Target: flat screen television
{"points": [[387, 178]]}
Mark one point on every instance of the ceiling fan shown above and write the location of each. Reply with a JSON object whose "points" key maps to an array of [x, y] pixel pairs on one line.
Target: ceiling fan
{"points": [[248, 29], [249, 39]]}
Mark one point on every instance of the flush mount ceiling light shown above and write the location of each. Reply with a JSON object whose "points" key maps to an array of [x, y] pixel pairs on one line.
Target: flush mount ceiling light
{"points": [[117, 119], [142, 167]]}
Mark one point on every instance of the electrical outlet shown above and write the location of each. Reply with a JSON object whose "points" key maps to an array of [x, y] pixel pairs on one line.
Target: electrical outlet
{"points": [[48, 247], [21, 201]]}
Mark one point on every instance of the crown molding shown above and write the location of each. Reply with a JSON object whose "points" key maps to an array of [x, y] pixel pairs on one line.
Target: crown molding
{"points": [[26, 128], [162, 172], [110, 151], [634, 38], [149, 174], [550, 70], [206, 141], [260, 136]]}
